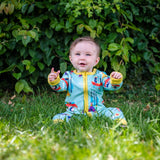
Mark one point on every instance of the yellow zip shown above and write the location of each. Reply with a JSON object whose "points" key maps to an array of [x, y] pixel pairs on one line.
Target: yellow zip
{"points": [[85, 86]]}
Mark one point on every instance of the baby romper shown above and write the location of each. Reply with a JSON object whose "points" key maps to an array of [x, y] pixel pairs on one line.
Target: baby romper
{"points": [[84, 94]]}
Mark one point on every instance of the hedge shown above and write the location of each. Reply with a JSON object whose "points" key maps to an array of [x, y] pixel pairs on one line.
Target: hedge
{"points": [[36, 35]]}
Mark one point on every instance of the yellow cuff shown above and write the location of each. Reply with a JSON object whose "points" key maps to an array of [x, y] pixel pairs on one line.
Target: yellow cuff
{"points": [[116, 81], [122, 121], [55, 82], [89, 114], [57, 121]]}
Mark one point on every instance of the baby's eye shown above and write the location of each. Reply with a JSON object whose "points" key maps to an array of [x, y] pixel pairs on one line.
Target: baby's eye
{"points": [[88, 54], [77, 54]]}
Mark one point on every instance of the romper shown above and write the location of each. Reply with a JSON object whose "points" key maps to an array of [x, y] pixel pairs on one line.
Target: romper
{"points": [[84, 94]]}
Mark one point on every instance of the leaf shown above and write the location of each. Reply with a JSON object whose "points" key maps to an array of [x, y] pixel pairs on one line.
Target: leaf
{"points": [[10, 8], [119, 52], [68, 25], [49, 33], [10, 68], [2, 6], [134, 58], [93, 34], [33, 80], [20, 66], [157, 87], [121, 30], [105, 65], [115, 64], [59, 27], [157, 67], [63, 67], [24, 8], [99, 29], [31, 69], [19, 86], [1, 46], [31, 8], [26, 62], [142, 45], [80, 28], [88, 28], [32, 34], [147, 55], [105, 53], [44, 45], [125, 55], [17, 75], [114, 47], [129, 39], [34, 77], [111, 37], [11, 45], [23, 100], [32, 52], [15, 33], [6, 10], [132, 27], [122, 70], [26, 40], [3, 50], [22, 33], [27, 88], [92, 23], [22, 85], [40, 65], [22, 51], [155, 49], [109, 25]]}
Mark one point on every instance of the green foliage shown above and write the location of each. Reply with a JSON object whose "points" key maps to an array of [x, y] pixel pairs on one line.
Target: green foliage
{"points": [[36, 35]]}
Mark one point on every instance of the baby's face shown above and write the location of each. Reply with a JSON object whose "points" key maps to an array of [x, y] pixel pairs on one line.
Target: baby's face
{"points": [[84, 56]]}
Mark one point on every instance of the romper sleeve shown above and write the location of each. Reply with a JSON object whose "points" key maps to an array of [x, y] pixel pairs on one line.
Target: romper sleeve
{"points": [[60, 84], [110, 83]]}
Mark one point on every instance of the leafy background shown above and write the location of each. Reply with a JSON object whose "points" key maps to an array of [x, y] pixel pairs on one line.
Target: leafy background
{"points": [[36, 35]]}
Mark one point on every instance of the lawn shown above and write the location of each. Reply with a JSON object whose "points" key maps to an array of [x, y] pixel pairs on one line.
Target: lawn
{"points": [[27, 131]]}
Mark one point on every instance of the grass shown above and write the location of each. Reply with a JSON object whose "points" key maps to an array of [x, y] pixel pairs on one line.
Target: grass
{"points": [[27, 131]]}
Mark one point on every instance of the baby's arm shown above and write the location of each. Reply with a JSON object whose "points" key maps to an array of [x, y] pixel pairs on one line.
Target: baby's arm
{"points": [[116, 78], [58, 84], [116, 75], [113, 82], [53, 75]]}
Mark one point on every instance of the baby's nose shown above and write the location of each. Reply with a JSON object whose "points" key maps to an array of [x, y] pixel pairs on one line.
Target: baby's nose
{"points": [[82, 56]]}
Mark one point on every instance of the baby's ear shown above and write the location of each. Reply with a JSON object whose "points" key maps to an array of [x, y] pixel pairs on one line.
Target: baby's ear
{"points": [[70, 58], [97, 60]]}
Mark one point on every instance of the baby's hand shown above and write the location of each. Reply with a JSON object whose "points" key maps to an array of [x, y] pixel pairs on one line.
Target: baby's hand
{"points": [[116, 75], [53, 75]]}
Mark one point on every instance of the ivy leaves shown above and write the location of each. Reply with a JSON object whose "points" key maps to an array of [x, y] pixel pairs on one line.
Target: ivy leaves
{"points": [[37, 35]]}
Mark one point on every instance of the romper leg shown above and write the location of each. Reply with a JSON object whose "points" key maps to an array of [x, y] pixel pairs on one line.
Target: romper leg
{"points": [[115, 114], [62, 117]]}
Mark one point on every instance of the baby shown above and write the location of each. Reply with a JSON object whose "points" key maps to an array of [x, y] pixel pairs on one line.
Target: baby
{"points": [[85, 84]]}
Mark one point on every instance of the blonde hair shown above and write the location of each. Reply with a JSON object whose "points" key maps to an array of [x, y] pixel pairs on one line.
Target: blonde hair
{"points": [[87, 39]]}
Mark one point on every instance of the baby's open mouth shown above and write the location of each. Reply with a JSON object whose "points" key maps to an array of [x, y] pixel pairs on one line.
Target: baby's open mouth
{"points": [[82, 64]]}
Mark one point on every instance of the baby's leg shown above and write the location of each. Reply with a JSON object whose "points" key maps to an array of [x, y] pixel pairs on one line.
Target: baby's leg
{"points": [[62, 117], [115, 114]]}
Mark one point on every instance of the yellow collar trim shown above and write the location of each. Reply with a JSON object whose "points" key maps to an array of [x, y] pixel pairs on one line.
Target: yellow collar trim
{"points": [[86, 73]]}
